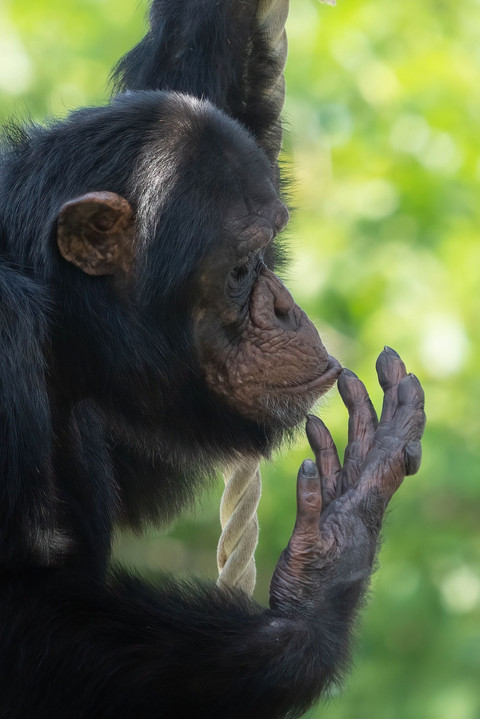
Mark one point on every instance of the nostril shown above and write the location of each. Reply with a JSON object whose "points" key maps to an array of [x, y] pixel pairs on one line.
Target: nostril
{"points": [[281, 311], [282, 301], [283, 304], [285, 318]]}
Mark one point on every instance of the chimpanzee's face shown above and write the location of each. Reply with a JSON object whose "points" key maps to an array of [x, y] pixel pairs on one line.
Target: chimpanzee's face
{"points": [[257, 347]]}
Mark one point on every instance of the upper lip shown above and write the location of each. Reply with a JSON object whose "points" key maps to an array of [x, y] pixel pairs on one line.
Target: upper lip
{"points": [[324, 381]]}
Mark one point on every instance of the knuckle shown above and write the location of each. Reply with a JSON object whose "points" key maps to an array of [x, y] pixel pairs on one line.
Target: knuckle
{"points": [[310, 503], [389, 437], [413, 457]]}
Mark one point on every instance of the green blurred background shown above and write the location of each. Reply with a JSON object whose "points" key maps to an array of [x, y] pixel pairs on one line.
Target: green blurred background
{"points": [[383, 108]]}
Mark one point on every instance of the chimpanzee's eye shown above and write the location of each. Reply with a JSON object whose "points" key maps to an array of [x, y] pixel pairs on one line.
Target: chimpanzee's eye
{"points": [[240, 273], [243, 274], [240, 281]]}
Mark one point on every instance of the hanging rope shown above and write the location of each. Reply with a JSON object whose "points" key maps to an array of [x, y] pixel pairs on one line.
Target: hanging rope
{"points": [[238, 510], [238, 517]]}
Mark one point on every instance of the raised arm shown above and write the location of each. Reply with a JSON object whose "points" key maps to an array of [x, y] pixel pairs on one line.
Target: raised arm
{"points": [[232, 53]]}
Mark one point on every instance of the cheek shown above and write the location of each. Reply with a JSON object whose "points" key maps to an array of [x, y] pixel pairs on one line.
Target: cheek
{"points": [[266, 367]]}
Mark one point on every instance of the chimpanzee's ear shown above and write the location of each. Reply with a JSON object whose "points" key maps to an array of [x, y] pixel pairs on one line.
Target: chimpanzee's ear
{"points": [[95, 232]]}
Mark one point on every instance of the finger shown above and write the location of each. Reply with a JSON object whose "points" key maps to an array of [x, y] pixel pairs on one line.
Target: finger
{"points": [[362, 424], [326, 457], [411, 415], [309, 499], [409, 419], [397, 450], [390, 371], [411, 394]]}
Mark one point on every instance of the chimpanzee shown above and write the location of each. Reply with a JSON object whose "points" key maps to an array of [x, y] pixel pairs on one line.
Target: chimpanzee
{"points": [[144, 341]]}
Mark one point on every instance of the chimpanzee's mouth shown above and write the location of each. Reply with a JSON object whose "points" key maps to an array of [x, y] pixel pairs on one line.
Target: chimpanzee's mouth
{"points": [[320, 384]]}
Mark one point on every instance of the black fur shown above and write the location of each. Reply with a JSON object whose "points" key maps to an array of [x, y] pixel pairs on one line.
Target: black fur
{"points": [[82, 445], [212, 50]]}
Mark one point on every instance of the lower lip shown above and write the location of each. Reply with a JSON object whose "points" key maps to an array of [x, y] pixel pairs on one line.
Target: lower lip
{"points": [[321, 384]]}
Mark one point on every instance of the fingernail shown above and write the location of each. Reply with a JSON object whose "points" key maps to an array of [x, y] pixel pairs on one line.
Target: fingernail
{"points": [[410, 391], [314, 429], [316, 420], [309, 468], [391, 351], [348, 373]]}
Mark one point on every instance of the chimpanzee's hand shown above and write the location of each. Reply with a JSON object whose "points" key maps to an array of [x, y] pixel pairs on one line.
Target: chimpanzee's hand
{"points": [[340, 509]]}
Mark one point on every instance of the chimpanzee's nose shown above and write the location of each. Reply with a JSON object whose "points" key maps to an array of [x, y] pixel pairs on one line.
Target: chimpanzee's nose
{"points": [[281, 218], [283, 302]]}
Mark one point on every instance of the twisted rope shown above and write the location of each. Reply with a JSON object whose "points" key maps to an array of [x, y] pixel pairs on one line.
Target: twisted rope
{"points": [[238, 510], [239, 538]]}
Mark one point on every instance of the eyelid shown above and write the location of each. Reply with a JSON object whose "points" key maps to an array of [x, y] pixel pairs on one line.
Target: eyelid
{"points": [[247, 268]]}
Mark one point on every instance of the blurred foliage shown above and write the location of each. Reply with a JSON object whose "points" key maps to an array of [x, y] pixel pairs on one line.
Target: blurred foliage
{"points": [[384, 149]]}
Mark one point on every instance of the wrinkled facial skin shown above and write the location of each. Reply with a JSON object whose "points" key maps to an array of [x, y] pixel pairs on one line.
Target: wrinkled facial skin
{"points": [[258, 349]]}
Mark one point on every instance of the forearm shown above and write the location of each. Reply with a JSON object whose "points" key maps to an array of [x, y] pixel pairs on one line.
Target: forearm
{"points": [[245, 661], [138, 651], [240, 660], [232, 53]]}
